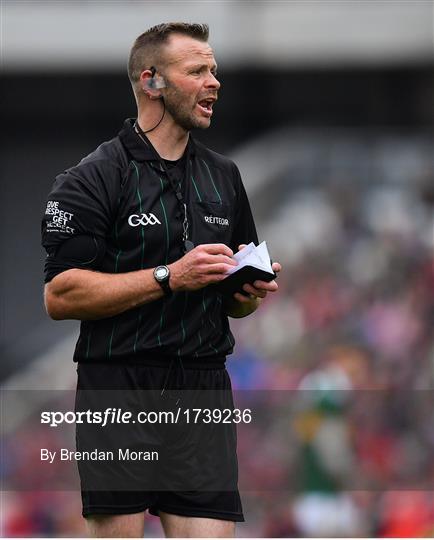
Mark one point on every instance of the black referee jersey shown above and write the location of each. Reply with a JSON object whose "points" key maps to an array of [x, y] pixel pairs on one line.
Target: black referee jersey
{"points": [[119, 198]]}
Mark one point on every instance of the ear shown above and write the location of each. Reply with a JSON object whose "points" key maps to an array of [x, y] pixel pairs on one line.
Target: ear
{"points": [[150, 85]]}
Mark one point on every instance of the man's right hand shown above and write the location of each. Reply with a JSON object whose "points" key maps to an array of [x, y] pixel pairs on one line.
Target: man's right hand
{"points": [[202, 266]]}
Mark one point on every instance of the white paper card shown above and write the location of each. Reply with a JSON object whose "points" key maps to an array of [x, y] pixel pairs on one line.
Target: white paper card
{"points": [[251, 255]]}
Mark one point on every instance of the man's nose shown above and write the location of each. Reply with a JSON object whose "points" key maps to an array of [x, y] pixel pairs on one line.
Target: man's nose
{"points": [[212, 82]]}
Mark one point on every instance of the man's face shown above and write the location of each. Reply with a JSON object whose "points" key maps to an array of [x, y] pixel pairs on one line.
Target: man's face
{"points": [[191, 84]]}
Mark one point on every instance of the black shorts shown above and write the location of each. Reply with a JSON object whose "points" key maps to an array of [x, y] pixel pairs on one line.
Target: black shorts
{"points": [[196, 472]]}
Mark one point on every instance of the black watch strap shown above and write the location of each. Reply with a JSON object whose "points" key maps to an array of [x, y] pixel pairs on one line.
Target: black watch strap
{"points": [[162, 276]]}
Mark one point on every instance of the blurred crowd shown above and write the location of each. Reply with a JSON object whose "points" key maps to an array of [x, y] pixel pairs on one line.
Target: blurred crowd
{"points": [[346, 350], [338, 367]]}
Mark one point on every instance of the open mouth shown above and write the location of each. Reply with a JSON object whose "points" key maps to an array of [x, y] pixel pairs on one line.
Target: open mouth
{"points": [[206, 106]]}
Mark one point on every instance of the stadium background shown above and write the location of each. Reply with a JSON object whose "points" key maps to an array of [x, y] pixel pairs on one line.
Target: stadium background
{"points": [[327, 107]]}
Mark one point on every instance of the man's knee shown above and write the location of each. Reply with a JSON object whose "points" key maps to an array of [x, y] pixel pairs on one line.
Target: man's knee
{"points": [[116, 526]]}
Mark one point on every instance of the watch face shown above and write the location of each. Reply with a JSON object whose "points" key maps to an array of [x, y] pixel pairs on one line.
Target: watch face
{"points": [[161, 272]]}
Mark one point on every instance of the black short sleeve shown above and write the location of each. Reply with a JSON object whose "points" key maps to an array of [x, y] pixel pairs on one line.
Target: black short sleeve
{"points": [[81, 251], [81, 204], [244, 230]]}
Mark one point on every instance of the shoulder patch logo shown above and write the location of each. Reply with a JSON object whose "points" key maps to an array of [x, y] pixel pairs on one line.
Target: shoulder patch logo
{"points": [[58, 220]]}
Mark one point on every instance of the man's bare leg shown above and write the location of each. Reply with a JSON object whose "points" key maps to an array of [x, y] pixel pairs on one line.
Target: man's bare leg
{"points": [[116, 526], [194, 527]]}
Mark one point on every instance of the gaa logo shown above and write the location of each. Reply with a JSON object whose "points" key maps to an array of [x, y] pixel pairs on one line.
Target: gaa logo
{"points": [[144, 219]]}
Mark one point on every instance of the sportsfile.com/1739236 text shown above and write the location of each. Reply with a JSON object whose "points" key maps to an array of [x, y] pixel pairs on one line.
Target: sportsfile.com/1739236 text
{"points": [[113, 415]]}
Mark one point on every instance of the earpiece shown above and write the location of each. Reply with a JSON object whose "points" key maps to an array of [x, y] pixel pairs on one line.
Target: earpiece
{"points": [[155, 83]]}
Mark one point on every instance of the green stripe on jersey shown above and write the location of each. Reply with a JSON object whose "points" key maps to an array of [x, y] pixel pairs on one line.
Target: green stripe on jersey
{"points": [[209, 318], [166, 258], [114, 322], [212, 181], [139, 197], [142, 258], [165, 221], [194, 184], [89, 335], [182, 321]]}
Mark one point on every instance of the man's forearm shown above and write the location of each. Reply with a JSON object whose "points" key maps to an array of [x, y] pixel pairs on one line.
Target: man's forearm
{"points": [[237, 310], [87, 295]]}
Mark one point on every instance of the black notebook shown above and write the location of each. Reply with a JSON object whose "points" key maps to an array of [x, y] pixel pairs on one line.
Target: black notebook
{"points": [[253, 264]]}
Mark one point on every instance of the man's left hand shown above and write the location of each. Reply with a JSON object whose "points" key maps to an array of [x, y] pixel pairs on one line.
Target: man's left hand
{"points": [[243, 305], [258, 289]]}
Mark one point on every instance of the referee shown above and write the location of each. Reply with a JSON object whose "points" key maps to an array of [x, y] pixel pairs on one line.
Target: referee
{"points": [[137, 236]]}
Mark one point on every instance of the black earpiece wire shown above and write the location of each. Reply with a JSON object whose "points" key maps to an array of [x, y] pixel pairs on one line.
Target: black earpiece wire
{"points": [[138, 129]]}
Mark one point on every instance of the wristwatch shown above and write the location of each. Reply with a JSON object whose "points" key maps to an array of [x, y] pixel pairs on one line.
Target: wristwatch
{"points": [[162, 275]]}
